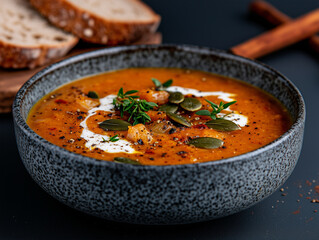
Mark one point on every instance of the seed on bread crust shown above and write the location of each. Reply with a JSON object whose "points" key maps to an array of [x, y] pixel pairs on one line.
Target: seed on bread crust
{"points": [[88, 32]]}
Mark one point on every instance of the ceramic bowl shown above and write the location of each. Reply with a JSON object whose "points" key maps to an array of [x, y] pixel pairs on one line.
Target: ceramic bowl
{"points": [[159, 194]]}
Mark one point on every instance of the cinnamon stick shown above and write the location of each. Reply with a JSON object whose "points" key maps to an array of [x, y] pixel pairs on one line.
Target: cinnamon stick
{"points": [[272, 15], [282, 36]]}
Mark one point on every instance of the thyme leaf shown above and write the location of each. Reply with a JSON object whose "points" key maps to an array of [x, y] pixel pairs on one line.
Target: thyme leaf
{"points": [[216, 109], [114, 138], [162, 86]]}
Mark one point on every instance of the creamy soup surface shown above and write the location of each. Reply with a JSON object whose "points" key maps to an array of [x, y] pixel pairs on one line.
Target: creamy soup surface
{"points": [[159, 116]]}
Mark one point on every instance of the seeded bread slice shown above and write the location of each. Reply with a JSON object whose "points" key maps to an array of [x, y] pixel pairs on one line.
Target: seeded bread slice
{"points": [[27, 39], [110, 22]]}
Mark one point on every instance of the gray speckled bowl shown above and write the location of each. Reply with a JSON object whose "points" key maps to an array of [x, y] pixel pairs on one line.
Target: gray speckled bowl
{"points": [[159, 194]]}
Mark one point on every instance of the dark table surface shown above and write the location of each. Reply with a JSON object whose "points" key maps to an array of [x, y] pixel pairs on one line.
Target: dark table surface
{"points": [[27, 212]]}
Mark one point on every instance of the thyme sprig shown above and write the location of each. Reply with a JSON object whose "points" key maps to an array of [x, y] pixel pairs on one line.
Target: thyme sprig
{"points": [[216, 109], [135, 107]]}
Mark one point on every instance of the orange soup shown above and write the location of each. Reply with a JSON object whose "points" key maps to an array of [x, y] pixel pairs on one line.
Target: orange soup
{"points": [[159, 116]]}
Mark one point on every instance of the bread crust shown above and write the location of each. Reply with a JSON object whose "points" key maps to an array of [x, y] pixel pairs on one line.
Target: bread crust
{"points": [[15, 56], [93, 28]]}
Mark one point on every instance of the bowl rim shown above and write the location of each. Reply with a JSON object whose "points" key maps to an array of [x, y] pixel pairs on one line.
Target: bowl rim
{"points": [[16, 110]]}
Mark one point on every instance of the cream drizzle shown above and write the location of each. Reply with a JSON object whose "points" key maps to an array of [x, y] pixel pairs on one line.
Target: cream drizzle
{"points": [[239, 119], [95, 140], [221, 95]]}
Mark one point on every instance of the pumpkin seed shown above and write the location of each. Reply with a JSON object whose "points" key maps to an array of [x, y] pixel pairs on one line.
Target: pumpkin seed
{"points": [[115, 125], [191, 104], [179, 119], [176, 97], [206, 142], [92, 94], [222, 125], [168, 108], [126, 160]]}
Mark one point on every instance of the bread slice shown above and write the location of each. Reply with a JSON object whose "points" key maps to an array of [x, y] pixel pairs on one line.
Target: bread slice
{"points": [[27, 39], [110, 22]]}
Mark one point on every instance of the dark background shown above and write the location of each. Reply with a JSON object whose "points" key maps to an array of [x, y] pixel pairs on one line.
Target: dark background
{"points": [[27, 212]]}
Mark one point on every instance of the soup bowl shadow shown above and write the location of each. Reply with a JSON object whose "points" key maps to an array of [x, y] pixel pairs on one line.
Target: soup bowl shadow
{"points": [[176, 194]]}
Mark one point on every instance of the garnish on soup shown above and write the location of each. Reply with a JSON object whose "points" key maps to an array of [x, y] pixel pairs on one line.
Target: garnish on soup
{"points": [[134, 106], [137, 116]]}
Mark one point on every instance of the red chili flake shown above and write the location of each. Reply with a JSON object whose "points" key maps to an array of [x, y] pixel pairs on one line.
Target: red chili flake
{"points": [[296, 212], [149, 151], [308, 183], [310, 219], [200, 126], [51, 129], [59, 101], [317, 189]]}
